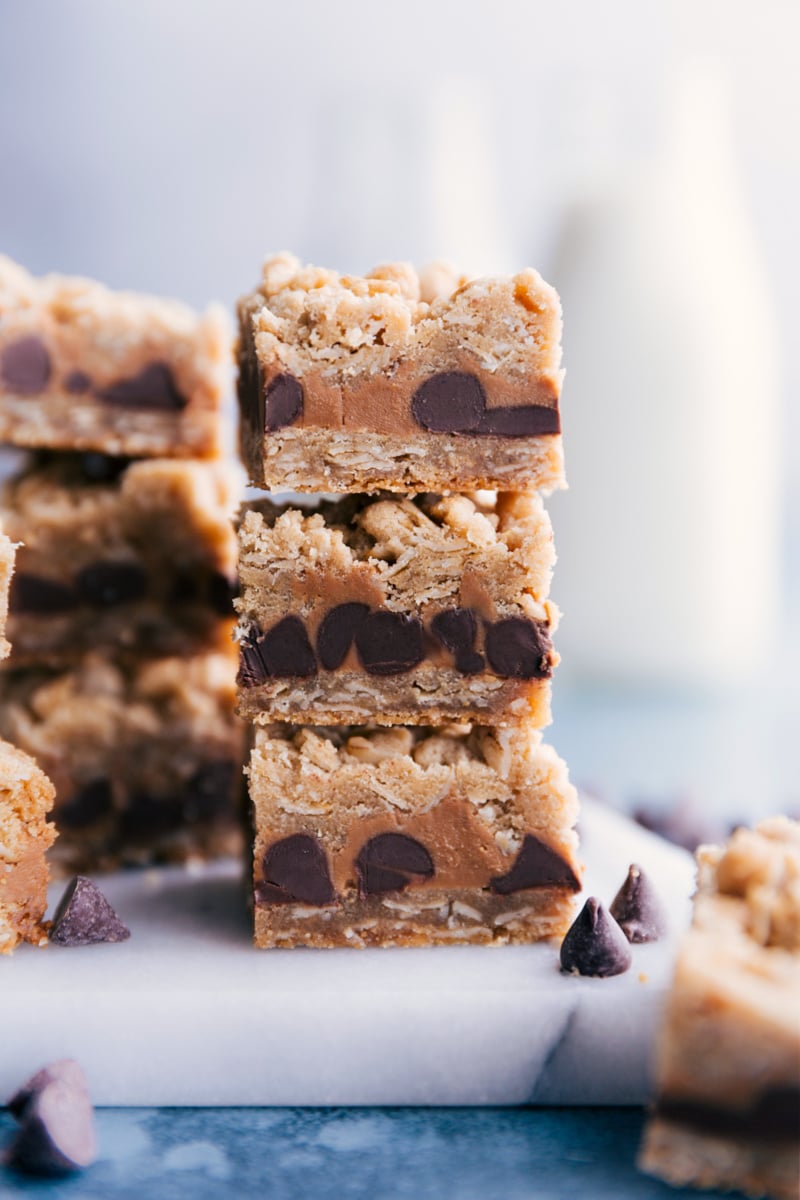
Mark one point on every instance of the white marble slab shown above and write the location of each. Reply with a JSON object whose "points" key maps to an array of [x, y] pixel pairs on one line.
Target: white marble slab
{"points": [[187, 1012]]}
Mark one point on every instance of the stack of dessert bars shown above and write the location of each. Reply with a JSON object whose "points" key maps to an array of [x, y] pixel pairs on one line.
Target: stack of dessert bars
{"points": [[395, 630], [120, 681]]}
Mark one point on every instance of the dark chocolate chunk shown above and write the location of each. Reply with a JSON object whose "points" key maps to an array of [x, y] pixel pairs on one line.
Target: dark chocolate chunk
{"points": [[25, 365], [456, 629], [102, 468], [77, 383], [389, 643], [39, 596], [222, 591], [595, 944], [283, 401], [524, 420], [295, 869], [336, 633], [88, 804], [252, 671], [775, 1116], [637, 908], [450, 402], [208, 792], [389, 862], [518, 648], [154, 387], [536, 865], [56, 1131], [108, 584], [147, 816], [285, 650], [84, 917]]}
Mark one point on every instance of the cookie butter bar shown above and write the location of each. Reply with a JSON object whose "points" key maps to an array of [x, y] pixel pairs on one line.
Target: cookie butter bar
{"points": [[7, 554], [728, 1072], [26, 796], [146, 760], [82, 367], [410, 836], [396, 610], [139, 556], [394, 380]]}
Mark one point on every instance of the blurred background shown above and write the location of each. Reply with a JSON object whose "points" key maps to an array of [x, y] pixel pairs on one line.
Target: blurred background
{"points": [[644, 156]]}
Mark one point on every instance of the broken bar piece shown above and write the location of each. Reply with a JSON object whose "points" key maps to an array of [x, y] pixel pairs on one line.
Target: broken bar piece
{"points": [[26, 796]]}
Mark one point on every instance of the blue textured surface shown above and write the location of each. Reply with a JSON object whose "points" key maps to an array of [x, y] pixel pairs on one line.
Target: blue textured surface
{"points": [[350, 1154]]}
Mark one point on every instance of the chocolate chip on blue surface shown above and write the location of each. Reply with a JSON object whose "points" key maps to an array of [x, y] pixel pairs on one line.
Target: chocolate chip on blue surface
{"points": [[56, 1123], [595, 944], [523, 420], [295, 869], [283, 401], [86, 805], [537, 865], [449, 402], [389, 862], [154, 388], [109, 584], [337, 631], [84, 917], [456, 629], [25, 365], [518, 648], [37, 596], [389, 643], [637, 908], [77, 383], [286, 651]]}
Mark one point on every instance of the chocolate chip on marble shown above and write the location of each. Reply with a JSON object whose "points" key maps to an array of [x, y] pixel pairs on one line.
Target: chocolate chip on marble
{"points": [[252, 671], [222, 591], [449, 402], [537, 865], [336, 633], [88, 804], [283, 401], [286, 651], [154, 387], [25, 365], [56, 1122], [456, 629], [518, 648], [77, 383], [295, 869], [208, 792], [595, 944], [389, 643], [389, 862], [637, 908], [84, 917], [108, 584], [37, 596], [524, 420]]}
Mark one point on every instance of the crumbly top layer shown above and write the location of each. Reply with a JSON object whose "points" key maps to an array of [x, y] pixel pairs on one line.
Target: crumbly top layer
{"points": [[758, 875], [306, 317]]}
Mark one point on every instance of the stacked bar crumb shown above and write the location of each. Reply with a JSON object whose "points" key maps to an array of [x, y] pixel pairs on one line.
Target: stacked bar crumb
{"points": [[396, 637], [727, 1113], [121, 678]]}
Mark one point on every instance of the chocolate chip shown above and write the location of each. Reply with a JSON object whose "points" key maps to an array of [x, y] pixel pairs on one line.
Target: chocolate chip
{"points": [[154, 387], [25, 365], [222, 591], [295, 869], [108, 584], [38, 596], [450, 402], [536, 865], [208, 792], [77, 383], [595, 944], [637, 908], [336, 633], [84, 917], [283, 401], [56, 1133], [286, 651], [524, 420], [389, 643], [388, 862], [518, 648], [456, 629], [88, 804], [252, 671]]}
